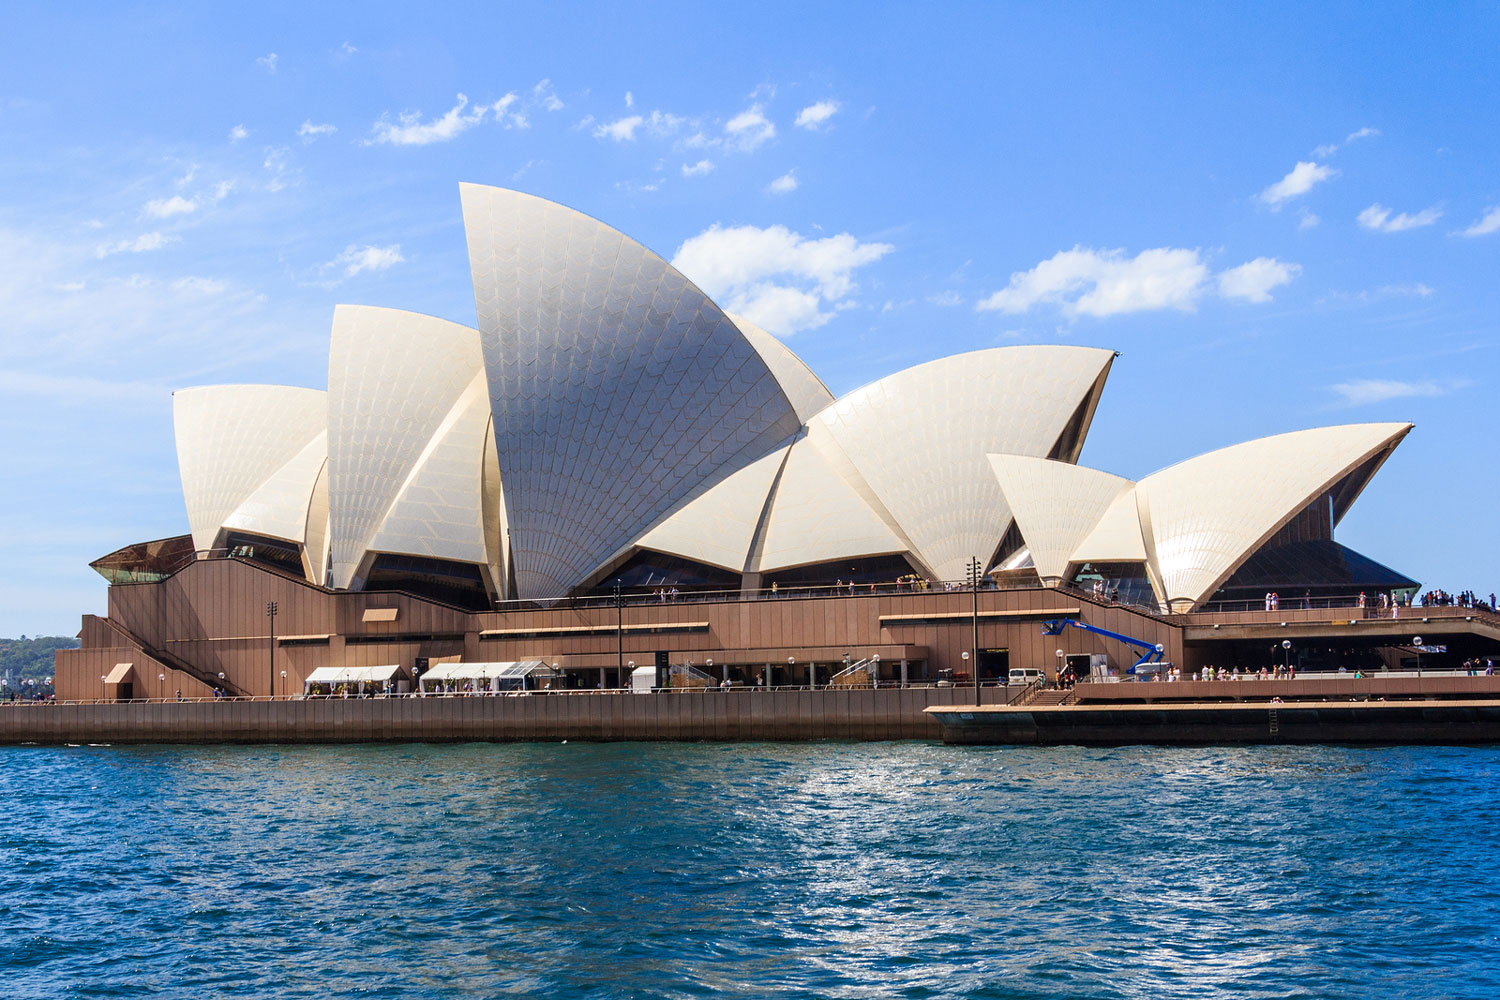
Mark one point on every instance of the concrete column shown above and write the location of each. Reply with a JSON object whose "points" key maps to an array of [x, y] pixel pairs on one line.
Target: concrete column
{"points": [[602, 679], [812, 674], [903, 673]]}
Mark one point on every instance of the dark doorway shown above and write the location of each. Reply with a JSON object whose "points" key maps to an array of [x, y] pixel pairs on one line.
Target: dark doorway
{"points": [[994, 664]]}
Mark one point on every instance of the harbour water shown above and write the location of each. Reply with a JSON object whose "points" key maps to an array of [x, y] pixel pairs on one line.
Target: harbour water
{"points": [[748, 870]]}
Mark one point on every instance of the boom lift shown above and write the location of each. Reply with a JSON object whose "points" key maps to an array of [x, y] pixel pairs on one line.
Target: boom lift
{"points": [[1151, 653]]}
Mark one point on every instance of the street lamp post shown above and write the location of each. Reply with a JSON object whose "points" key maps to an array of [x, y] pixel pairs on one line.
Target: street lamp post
{"points": [[1416, 641], [619, 634], [271, 608], [975, 574], [1286, 645], [791, 661]]}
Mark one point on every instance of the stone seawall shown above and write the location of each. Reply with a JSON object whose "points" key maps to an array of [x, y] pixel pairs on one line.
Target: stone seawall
{"points": [[880, 714]]}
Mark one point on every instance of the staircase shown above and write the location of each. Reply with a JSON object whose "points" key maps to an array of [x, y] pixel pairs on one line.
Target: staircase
{"points": [[176, 662]]}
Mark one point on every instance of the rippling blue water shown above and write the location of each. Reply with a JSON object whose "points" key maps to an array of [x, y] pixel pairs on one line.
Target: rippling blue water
{"points": [[826, 870]]}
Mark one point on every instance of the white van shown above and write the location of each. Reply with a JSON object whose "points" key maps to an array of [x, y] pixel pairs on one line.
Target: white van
{"points": [[1025, 675]]}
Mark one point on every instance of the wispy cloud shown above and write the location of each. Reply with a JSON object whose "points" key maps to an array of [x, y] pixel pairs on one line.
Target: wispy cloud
{"points": [[165, 208], [547, 97], [945, 299], [308, 131], [1328, 149], [814, 116], [143, 243], [1253, 280], [410, 130], [1415, 289], [697, 169], [1298, 181], [1483, 226], [237, 133], [774, 277], [1364, 391], [1378, 218], [785, 184], [268, 62], [358, 259], [620, 130], [749, 130]]}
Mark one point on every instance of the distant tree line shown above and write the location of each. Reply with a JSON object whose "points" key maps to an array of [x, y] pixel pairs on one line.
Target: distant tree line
{"points": [[31, 658]]}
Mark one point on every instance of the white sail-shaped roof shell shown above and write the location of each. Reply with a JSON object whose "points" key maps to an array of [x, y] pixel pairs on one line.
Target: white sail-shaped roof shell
{"points": [[395, 380], [232, 439], [618, 389], [292, 505], [718, 528], [806, 391], [1204, 517], [919, 439], [1117, 535], [1056, 506], [823, 512]]}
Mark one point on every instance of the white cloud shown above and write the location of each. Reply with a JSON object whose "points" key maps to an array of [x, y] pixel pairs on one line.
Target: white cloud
{"points": [[546, 96], [1328, 149], [1089, 282], [356, 259], [946, 299], [277, 164], [410, 130], [141, 244], [1379, 219], [1253, 281], [784, 184], [237, 133], [1364, 391], [308, 131], [347, 49], [749, 129], [1105, 282], [774, 277], [629, 99], [1299, 181], [1483, 227], [1308, 220], [815, 115], [697, 169], [622, 130], [268, 62], [200, 286], [165, 208]]}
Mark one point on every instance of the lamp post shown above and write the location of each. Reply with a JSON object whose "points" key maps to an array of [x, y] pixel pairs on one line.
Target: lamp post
{"points": [[103, 689], [1060, 654], [1286, 646], [791, 661], [975, 574], [271, 609], [1416, 641], [619, 633]]}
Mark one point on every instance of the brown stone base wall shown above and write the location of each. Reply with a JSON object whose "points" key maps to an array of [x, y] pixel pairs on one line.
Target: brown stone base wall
{"points": [[881, 714]]}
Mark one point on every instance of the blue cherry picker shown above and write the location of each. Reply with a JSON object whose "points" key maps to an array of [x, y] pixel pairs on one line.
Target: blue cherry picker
{"points": [[1150, 653]]}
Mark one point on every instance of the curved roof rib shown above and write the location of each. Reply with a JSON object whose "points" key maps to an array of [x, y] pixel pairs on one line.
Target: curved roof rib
{"points": [[1056, 506], [1207, 515], [394, 381], [919, 439], [618, 388], [233, 439]]}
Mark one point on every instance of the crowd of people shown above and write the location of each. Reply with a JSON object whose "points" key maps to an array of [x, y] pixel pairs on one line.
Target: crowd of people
{"points": [[1463, 599]]}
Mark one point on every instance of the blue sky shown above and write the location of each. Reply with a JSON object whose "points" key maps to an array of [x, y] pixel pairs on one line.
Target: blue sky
{"points": [[1281, 218]]}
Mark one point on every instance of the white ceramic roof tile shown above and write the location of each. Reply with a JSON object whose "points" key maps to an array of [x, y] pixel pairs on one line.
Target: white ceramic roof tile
{"points": [[279, 506], [393, 379], [919, 439], [818, 515], [1055, 505], [618, 389], [231, 439], [1210, 513], [718, 527], [806, 391]]}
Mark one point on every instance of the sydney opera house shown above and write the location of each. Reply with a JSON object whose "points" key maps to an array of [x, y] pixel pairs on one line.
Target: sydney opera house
{"points": [[610, 469]]}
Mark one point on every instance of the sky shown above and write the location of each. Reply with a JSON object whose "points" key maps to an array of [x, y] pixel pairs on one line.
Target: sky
{"points": [[1281, 215]]}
